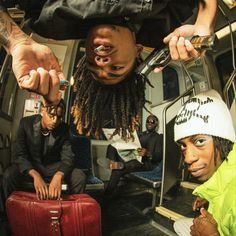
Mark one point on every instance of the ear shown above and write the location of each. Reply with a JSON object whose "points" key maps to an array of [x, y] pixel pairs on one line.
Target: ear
{"points": [[139, 49]]}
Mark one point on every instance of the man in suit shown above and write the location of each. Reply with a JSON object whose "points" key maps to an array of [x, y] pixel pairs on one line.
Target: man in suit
{"points": [[151, 152], [43, 156]]}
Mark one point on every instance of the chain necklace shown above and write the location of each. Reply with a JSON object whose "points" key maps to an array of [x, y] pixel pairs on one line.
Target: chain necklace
{"points": [[45, 132]]}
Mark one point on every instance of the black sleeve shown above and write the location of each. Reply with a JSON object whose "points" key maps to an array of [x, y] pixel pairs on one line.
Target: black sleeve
{"points": [[67, 157], [22, 157], [158, 149]]}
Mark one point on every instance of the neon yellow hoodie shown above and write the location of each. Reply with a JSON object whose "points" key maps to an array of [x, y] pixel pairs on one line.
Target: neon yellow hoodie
{"points": [[220, 192]]}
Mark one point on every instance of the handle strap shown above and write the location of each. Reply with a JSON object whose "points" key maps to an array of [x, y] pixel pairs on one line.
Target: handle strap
{"points": [[55, 215]]}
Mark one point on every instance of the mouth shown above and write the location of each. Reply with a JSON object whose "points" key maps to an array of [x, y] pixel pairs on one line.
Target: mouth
{"points": [[196, 172], [51, 127]]}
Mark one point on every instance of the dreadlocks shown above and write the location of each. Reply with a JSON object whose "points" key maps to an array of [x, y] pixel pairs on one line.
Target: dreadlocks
{"points": [[224, 146], [125, 101]]}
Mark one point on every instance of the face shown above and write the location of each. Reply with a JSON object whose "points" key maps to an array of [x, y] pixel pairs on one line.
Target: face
{"points": [[117, 54], [51, 118], [198, 152], [151, 123]]}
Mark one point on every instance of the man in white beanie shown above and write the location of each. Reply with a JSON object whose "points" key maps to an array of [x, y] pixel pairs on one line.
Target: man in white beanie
{"points": [[204, 131]]}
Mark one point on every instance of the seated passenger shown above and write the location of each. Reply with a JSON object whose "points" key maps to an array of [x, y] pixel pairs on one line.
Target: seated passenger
{"points": [[151, 153], [204, 131], [43, 156]]}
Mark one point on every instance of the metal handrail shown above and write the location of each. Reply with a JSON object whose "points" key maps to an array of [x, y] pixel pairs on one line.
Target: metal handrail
{"points": [[233, 75], [188, 92], [227, 86]]}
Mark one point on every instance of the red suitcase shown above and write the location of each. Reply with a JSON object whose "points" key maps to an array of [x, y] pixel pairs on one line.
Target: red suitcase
{"points": [[74, 215]]}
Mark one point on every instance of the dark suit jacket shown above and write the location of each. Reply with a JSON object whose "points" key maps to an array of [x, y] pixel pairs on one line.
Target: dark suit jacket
{"points": [[153, 142], [30, 151]]}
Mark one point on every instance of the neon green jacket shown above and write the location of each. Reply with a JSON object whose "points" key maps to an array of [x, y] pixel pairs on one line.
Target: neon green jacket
{"points": [[220, 191]]}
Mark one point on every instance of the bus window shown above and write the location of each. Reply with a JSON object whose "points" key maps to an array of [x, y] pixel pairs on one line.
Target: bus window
{"points": [[170, 83], [224, 66]]}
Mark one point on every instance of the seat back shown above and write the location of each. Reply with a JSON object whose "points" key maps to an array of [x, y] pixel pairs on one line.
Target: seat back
{"points": [[82, 151], [81, 146]]}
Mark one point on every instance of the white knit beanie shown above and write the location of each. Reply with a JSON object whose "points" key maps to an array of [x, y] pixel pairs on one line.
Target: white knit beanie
{"points": [[204, 114]]}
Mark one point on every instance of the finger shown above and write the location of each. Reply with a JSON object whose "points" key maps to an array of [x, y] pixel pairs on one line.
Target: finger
{"points": [[60, 75], [167, 39], [43, 87], [182, 51], [56, 194], [195, 205], [51, 192], [59, 194], [41, 194], [207, 215], [29, 82], [54, 95], [173, 48], [38, 194], [191, 50], [44, 194], [158, 69]]}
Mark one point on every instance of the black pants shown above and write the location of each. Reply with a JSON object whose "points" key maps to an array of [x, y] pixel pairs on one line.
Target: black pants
{"points": [[13, 180], [129, 167]]}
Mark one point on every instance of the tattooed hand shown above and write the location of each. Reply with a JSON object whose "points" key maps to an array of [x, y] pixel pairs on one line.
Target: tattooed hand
{"points": [[35, 66]]}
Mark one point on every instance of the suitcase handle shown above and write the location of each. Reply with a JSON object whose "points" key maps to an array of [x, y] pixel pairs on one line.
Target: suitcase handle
{"points": [[55, 219]]}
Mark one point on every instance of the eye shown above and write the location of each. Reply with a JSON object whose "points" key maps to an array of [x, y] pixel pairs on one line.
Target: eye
{"points": [[182, 146], [199, 142]]}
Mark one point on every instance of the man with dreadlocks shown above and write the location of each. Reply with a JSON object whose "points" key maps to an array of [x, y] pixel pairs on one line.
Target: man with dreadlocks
{"points": [[93, 101], [117, 31], [205, 133]]}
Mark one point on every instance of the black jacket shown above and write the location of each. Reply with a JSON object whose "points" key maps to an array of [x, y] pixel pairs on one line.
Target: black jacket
{"points": [[153, 142], [30, 150], [152, 20]]}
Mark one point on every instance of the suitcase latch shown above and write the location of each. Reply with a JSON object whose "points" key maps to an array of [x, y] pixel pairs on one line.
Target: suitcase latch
{"points": [[55, 215]]}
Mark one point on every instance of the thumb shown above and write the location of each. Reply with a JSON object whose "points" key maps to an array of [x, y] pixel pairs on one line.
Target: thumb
{"points": [[204, 212], [208, 215], [167, 39]]}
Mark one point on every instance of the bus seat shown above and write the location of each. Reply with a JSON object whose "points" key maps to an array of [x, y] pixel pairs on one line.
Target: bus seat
{"points": [[81, 146], [152, 179]]}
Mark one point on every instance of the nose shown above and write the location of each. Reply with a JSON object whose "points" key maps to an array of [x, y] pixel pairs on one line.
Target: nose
{"points": [[190, 156], [102, 61]]}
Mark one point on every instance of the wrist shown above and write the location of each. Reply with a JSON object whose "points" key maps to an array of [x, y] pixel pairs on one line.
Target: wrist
{"points": [[59, 174], [21, 40], [203, 29], [33, 173]]}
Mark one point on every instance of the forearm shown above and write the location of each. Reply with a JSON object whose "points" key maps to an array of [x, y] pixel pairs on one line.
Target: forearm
{"points": [[10, 32], [207, 14], [33, 173]]}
